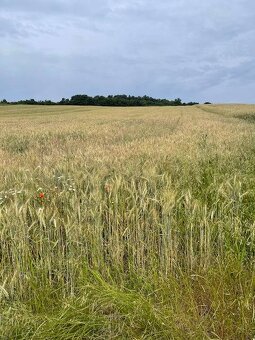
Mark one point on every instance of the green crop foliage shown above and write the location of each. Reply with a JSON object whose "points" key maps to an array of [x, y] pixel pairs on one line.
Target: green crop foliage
{"points": [[127, 223]]}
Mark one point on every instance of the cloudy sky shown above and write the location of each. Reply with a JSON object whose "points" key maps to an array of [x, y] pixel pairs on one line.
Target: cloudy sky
{"points": [[192, 49]]}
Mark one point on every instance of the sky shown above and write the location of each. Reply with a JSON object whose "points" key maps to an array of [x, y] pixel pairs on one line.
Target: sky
{"points": [[192, 49]]}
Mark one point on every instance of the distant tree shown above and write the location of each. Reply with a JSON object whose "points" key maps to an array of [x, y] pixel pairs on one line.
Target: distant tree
{"points": [[207, 103], [110, 100], [177, 101], [4, 101], [192, 103], [64, 101], [30, 102], [48, 102]]}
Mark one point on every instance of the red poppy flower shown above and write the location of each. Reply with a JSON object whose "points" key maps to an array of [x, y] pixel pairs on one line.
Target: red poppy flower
{"points": [[41, 195]]}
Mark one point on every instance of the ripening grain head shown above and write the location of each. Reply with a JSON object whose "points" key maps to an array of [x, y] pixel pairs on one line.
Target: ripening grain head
{"points": [[142, 198]]}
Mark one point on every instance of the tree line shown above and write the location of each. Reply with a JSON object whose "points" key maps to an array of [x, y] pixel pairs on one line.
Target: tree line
{"points": [[117, 100]]}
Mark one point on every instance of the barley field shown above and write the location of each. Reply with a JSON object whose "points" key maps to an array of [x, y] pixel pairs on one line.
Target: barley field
{"points": [[127, 223]]}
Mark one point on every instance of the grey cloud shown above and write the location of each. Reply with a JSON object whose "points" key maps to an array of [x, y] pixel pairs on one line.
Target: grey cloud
{"points": [[183, 48], [53, 7], [8, 28]]}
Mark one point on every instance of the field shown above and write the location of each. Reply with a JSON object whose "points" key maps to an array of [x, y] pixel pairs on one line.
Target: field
{"points": [[127, 223]]}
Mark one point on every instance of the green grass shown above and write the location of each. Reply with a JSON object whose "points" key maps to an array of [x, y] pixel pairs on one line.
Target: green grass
{"points": [[146, 229]]}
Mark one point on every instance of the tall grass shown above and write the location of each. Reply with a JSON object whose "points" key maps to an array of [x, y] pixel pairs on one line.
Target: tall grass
{"points": [[126, 224]]}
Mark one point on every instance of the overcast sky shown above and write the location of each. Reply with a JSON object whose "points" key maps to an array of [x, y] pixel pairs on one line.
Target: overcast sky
{"points": [[193, 49]]}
